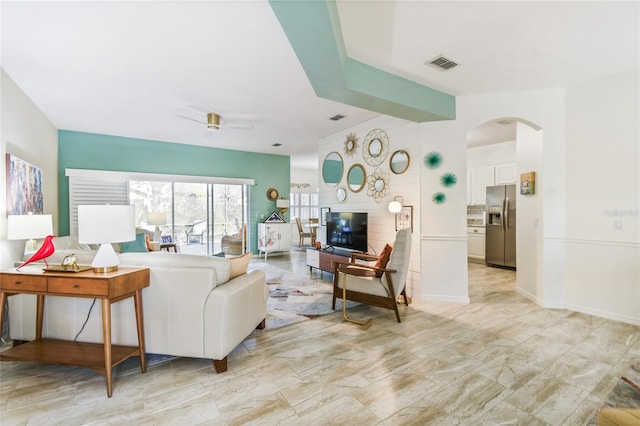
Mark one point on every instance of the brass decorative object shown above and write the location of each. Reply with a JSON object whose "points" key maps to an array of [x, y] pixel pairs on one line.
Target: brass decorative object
{"points": [[350, 145], [356, 178], [399, 162], [375, 147], [377, 185], [332, 169]]}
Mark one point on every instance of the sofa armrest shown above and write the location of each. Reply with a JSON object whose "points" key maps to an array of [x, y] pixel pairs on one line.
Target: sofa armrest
{"points": [[233, 311]]}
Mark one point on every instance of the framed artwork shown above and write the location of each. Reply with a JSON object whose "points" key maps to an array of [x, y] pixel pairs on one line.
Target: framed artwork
{"points": [[274, 218], [323, 215], [24, 187], [404, 219], [528, 183]]}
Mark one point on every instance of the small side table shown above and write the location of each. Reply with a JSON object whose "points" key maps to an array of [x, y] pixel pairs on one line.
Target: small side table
{"points": [[168, 247], [352, 269], [110, 287]]}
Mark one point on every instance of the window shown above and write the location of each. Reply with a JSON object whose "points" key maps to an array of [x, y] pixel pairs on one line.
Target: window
{"points": [[304, 205], [199, 210]]}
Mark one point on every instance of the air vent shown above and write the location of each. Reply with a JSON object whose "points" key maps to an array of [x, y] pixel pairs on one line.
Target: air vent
{"points": [[277, 144], [337, 117], [442, 63], [505, 122]]}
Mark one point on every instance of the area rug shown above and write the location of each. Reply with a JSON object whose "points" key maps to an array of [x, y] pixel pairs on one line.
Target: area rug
{"points": [[295, 297], [625, 394]]}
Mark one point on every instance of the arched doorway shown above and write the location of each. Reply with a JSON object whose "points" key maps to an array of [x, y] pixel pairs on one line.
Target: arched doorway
{"points": [[498, 152]]}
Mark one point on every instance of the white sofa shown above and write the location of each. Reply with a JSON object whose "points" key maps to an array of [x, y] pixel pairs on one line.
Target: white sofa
{"points": [[191, 307]]}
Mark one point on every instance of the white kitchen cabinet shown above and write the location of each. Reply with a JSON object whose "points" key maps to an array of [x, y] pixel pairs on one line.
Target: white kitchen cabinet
{"points": [[478, 180], [505, 174], [273, 237], [475, 243]]}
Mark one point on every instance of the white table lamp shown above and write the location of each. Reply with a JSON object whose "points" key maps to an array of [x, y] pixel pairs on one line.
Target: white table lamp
{"points": [[157, 219], [106, 224], [29, 227]]}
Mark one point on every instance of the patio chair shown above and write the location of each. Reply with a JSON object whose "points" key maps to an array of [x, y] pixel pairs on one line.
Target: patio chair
{"points": [[192, 236]]}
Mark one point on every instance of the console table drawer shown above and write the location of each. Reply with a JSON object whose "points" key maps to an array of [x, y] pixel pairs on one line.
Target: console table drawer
{"points": [[79, 287], [11, 283]]}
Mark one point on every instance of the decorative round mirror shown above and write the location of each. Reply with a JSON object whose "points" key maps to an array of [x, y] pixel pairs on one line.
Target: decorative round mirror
{"points": [[356, 178], [332, 169], [341, 195], [375, 147], [350, 145], [377, 184], [399, 162]]}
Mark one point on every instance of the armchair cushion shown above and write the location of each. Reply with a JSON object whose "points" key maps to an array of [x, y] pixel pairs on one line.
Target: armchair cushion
{"points": [[383, 259]]}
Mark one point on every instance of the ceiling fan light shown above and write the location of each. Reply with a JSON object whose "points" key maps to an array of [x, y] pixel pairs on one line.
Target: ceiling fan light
{"points": [[213, 121]]}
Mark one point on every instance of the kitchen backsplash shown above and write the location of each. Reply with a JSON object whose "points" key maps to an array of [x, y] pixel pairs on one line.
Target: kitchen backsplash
{"points": [[476, 215]]}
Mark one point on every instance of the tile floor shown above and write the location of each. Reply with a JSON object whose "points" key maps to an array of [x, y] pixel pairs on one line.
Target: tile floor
{"points": [[499, 360]]}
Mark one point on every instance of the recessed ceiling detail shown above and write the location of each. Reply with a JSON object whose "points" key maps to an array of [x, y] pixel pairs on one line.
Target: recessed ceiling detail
{"points": [[313, 29], [337, 117], [442, 63]]}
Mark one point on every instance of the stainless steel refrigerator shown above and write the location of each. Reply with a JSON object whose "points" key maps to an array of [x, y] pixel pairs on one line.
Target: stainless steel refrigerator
{"points": [[500, 242]]}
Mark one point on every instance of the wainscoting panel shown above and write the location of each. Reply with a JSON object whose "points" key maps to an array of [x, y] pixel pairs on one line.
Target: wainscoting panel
{"points": [[444, 268]]}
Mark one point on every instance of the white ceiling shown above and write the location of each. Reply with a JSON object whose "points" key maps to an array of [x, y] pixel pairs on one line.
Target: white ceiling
{"points": [[130, 68]]}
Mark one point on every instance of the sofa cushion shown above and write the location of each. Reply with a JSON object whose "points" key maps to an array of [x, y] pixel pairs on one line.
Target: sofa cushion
{"points": [[139, 245], [240, 264], [178, 260]]}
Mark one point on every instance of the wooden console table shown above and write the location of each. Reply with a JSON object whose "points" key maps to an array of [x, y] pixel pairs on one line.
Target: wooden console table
{"points": [[108, 287]]}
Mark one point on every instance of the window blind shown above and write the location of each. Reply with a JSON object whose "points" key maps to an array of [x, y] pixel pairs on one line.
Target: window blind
{"points": [[88, 191]]}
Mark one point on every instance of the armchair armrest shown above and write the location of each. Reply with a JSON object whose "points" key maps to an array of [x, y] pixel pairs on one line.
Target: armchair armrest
{"points": [[363, 256]]}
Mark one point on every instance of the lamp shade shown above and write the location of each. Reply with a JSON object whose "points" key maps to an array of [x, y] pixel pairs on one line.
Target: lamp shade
{"points": [[282, 203], [157, 218], [29, 226], [395, 207], [103, 225], [106, 224]]}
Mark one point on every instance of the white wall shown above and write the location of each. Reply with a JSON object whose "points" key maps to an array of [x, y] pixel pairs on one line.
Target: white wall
{"points": [[402, 135], [529, 240], [309, 176], [490, 155], [26, 133], [603, 197]]}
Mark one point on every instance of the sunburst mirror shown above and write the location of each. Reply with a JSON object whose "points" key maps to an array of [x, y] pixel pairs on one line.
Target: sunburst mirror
{"points": [[375, 147]]}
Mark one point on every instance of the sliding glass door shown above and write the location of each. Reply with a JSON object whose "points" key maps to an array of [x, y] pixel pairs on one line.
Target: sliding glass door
{"points": [[198, 214]]}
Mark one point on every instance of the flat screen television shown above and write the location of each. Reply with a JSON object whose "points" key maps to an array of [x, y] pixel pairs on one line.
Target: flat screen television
{"points": [[347, 230]]}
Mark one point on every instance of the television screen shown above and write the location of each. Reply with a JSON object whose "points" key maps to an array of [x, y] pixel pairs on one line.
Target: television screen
{"points": [[347, 230]]}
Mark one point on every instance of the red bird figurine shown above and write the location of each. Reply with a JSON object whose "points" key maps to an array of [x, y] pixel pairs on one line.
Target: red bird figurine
{"points": [[45, 251]]}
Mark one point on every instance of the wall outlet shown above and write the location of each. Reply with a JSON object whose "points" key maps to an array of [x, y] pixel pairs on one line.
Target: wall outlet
{"points": [[617, 225]]}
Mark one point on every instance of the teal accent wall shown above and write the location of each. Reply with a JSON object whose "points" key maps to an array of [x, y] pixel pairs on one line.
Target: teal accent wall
{"points": [[78, 150]]}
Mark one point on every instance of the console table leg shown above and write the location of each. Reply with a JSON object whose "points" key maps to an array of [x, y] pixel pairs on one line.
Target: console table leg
{"points": [[106, 334], [3, 300], [39, 315], [141, 345]]}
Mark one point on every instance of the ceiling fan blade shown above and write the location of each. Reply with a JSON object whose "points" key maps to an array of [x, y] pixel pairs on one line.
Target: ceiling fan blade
{"points": [[191, 119]]}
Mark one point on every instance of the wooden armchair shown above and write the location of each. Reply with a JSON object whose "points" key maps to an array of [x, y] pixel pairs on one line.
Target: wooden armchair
{"points": [[374, 285]]}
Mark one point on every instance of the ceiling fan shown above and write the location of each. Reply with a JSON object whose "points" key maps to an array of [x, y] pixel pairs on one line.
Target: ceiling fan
{"points": [[215, 123]]}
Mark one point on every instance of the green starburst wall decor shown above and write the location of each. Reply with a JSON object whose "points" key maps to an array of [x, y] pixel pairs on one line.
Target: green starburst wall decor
{"points": [[439, 198], [433, 160], [448, 180]]}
